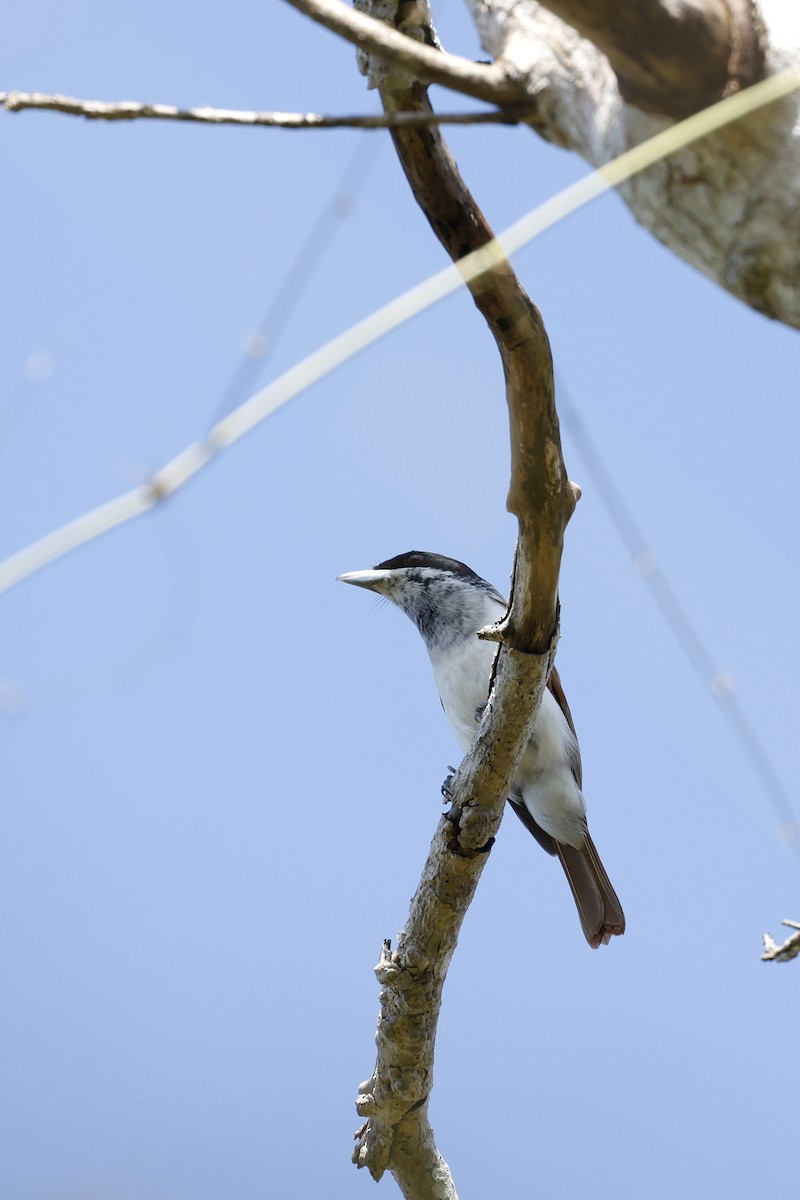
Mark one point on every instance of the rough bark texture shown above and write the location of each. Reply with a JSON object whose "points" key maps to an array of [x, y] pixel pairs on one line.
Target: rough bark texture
{"points": [[728, 205]]}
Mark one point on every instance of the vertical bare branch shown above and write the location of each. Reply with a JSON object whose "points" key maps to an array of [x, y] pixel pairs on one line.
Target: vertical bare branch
{"points": [[397, 1135]]}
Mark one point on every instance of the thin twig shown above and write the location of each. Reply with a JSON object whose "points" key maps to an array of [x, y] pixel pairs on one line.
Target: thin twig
{"points": [[134, 110]]}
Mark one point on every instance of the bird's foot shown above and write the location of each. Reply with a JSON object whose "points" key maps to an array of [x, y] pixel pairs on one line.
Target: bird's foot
{"points": [[447, 794]]}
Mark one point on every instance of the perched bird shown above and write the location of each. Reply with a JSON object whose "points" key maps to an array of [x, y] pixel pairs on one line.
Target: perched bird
{"points": [[449, 603]]}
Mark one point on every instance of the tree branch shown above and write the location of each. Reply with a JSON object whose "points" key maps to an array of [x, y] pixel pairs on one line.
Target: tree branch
{"points": [[540, 495], [787, 950], [132, 110], [397, 1135], [672, 58], [490, 83]]}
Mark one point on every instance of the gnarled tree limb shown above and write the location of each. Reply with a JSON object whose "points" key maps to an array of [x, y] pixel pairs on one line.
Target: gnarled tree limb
{"points": [[397, 1135]]}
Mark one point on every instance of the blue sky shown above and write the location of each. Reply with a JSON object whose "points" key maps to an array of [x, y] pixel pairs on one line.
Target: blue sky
{"points": [[223, 768]]}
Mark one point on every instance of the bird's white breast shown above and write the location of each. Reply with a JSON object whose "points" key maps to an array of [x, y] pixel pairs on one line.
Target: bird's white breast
{"points": [[462, 676], [544, 778]]}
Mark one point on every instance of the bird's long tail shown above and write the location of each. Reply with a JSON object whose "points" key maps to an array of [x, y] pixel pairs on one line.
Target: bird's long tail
{"points": [[598, 906]]}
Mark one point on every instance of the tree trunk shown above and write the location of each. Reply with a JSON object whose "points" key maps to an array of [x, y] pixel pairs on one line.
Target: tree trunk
{"points": [[729, 204]]}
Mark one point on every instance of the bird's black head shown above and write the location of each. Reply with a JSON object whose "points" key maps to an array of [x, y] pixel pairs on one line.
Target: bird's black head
{"points": [[437, 562], [444, 598]]}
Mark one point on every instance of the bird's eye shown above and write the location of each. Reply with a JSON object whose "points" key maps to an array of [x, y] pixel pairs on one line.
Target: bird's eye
{"points": [[414, 559]]}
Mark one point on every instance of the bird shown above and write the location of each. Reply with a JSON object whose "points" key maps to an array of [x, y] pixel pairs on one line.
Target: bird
{"points": [[448, 602]]}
